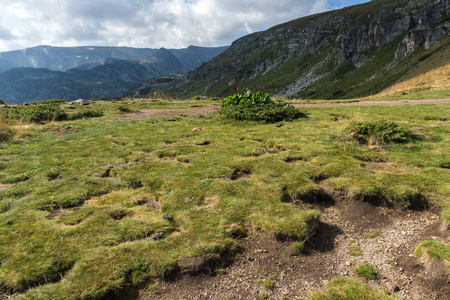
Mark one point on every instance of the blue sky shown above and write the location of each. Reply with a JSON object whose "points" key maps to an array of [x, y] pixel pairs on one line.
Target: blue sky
{"points": [[145, 23], [342, 3]]}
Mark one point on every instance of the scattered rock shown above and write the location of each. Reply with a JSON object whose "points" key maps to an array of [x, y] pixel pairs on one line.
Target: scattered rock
{"points": [[158, 236], [168, 217]]}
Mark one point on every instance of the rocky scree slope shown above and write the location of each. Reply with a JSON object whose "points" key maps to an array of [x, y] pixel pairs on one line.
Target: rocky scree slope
{"points": [[351, 52]]}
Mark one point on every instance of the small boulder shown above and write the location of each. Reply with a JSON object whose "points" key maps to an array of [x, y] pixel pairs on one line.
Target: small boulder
{"points": [[168, 217], [158, 236]]}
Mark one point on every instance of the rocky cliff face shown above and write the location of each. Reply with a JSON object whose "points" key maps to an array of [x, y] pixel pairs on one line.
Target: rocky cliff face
{"points": [[299, 58]]}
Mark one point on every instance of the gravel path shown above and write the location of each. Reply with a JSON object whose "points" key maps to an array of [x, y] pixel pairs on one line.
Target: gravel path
{"points": [[162, 112]]}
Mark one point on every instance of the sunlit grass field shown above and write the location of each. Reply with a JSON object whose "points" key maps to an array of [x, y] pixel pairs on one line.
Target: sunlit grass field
{"points": [[94, 205]]}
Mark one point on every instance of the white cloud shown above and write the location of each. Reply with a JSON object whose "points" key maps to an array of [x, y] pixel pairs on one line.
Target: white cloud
{"points": [[142, 23]]}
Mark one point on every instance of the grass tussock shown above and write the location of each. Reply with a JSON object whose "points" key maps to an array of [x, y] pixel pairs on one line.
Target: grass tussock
{"points": [[344, 288], [434, 250], [380, 132], [366, 271], [7, 131]]}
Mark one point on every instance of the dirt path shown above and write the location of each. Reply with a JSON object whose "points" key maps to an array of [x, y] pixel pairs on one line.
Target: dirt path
{"points": [[348, 233], [148, 112], [377, 103]]}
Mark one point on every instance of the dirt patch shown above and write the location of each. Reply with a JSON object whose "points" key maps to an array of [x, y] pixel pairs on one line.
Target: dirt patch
{"points": [[149, 113], [348, 233], [375, 103], [5, 186]]}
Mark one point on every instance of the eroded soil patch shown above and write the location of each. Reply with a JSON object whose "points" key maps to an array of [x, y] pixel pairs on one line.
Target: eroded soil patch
{"points": [[5, 186], [349, 233]]}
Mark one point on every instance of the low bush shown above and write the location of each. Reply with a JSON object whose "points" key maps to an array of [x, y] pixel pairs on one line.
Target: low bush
{"points": [[124, 109], [267, 112], [39, 114], [382, 132], [47, 113], [85, 115], [54, 102]]}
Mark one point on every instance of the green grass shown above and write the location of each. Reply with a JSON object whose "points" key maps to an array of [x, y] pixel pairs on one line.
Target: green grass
{"points": [[88, 195], [346, 288], [434, 250], [366, 271]]}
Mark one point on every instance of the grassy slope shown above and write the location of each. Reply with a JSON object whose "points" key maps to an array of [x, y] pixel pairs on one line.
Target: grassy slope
{"points": [[84, 235], [435, 80]]}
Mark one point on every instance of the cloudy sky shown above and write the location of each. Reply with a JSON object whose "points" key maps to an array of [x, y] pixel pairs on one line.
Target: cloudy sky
{"points": [[145, 23]]}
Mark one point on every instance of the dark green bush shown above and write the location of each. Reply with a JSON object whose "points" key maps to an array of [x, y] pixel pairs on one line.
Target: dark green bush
{"points": [[267, 112], [39, 114], [85, 114], [382, 131], [249, 97], [54, 102], [124, 109]]}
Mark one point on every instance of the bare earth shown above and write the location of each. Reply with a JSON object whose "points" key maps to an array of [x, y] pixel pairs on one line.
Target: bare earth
{"points": [[148, 113], [348, 233]]}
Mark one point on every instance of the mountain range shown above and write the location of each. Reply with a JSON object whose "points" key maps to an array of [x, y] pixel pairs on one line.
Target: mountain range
{"points": [[352, 52], [46, 72]]}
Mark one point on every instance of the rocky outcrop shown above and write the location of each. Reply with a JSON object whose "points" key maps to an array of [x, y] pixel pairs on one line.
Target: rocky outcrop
{"points": [[292, 57]]}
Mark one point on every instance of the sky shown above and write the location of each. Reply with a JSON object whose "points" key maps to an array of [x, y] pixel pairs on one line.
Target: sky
{"points": [[146, 23]]}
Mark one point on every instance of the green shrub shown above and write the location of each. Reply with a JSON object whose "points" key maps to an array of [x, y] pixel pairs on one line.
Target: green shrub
{"points": [[124, 109], [366, 271], [267, 112], [298, 246], [85, 115], [40, 114], [54, 102], [381, 131], [248, 97]]}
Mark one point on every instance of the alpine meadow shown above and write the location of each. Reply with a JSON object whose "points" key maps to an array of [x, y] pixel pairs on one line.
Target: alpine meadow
{"points": [[307, 161]]}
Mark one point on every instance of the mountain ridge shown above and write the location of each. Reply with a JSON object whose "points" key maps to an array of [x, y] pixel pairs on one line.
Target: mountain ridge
{"points": [[99, 76], [352, 52]]}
